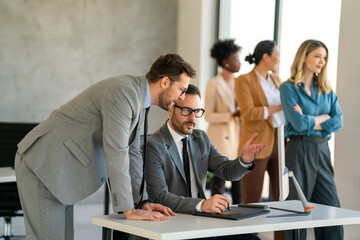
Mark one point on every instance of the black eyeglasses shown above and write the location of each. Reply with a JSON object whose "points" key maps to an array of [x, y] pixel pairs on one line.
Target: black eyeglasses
{"points": [[183, 90], [185, 111]]}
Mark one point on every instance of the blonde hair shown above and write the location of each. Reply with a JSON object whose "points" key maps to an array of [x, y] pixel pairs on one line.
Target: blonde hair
{"points": [[297, 68]]}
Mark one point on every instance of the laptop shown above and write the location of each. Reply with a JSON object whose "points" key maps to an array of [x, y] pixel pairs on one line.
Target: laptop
{"points": [[235, 213]]}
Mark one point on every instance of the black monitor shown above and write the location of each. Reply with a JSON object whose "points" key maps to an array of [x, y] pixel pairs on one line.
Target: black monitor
{"points": [[10, 135]]}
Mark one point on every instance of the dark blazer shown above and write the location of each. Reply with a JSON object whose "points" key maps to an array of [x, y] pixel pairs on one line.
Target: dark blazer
{"points": [[93, 136], [165, 176]]}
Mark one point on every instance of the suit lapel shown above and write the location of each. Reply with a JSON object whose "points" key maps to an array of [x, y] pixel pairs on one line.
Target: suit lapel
{"points": [[258, 89], [227, 95], [172, 150], [194, 152], [140, 114]]}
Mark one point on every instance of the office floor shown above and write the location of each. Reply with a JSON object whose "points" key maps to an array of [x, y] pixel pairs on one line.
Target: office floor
{"points": [[82, 226], [92, 206]]}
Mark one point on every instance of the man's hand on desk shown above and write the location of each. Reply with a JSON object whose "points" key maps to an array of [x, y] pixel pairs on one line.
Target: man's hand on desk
{"points": [[250, 150], [217, 203], [154, 207], [139, 214]]}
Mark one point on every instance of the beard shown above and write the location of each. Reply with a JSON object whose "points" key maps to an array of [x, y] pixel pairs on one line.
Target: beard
{"points": [[181, 128], [165, 100]]}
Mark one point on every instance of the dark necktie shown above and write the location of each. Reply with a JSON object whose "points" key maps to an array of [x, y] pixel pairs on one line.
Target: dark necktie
{"points": [[186, 164], [144, 154]]}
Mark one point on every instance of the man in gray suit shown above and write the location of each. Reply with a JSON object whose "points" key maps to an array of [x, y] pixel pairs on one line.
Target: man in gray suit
{"points": [[167, 180], [93, 137]]}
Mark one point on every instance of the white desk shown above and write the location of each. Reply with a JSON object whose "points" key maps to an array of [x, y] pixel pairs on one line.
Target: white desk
{"points": [[185, 226], [7, 174]]}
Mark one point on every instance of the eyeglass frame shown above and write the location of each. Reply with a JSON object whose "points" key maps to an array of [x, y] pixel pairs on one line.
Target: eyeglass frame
{"points": [[192, 111], [183, 90]]}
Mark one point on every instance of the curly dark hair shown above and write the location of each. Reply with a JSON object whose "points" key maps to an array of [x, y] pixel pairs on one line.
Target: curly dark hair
{"points": [[223, 48]]}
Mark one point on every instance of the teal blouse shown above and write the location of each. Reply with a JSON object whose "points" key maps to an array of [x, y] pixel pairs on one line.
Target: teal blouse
{"points": [[297, 124]]}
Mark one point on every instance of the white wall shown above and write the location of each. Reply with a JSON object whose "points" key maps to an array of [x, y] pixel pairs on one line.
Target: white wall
{"points": [[347, 150], [196, 35], [52, 50]]}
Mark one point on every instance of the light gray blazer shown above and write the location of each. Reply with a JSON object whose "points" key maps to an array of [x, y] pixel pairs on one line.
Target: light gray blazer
{"points": [[165, 176], [93, 136]]}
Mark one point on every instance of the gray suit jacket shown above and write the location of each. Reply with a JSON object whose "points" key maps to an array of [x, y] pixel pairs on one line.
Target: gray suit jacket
{"points": [[165, 176], [93, 136]]}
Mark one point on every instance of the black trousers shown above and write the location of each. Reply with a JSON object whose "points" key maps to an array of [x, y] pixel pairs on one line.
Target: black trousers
{"points": [[309, 158], [217, 186]]}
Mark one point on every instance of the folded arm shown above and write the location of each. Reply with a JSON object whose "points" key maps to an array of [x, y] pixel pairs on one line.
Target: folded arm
{"points": [[300, 122], [335, 123], [318, 119]]}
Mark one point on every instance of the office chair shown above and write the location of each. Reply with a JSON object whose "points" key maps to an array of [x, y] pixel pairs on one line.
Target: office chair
{"points": [[9, 206]]}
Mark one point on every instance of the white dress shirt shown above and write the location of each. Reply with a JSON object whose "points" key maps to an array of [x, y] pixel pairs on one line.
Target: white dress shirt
{"points": [[179, 144], [272, 94]]}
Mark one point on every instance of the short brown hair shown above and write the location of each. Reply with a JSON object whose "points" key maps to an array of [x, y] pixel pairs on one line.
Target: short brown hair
{"points": [[171, 65], [193, 90]]}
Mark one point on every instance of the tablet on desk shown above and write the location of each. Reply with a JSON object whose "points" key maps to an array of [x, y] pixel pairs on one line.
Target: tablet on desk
{"points": [[235, 213]]}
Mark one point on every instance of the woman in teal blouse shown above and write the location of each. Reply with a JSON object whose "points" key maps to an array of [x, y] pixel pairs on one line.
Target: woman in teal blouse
{"points": [[312, 113]]}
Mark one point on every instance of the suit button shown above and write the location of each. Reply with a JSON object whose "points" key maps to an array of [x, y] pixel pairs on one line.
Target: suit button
{"points": [[103, 179]]}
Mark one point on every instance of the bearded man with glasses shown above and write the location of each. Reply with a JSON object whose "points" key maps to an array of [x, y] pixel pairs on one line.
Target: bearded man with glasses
{"points": [[179, 157]]}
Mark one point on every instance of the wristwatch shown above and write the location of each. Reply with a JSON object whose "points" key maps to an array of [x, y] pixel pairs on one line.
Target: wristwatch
{"points": [[249, 165]]}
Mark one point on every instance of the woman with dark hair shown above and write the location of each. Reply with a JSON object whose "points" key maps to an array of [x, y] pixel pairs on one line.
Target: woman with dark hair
{"points": [[312, 113], [222, 113], [258, 97]]}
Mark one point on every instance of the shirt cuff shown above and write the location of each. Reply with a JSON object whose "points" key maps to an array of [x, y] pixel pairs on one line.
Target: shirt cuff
{"points": [[266, 113], [198, 206], [141, 204], [245, 164], [311, 123]]}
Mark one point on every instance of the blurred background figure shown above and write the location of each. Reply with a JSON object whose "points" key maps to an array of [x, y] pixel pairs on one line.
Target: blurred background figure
{"points": [[258, 97], [222, 112], [312, 113]]}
